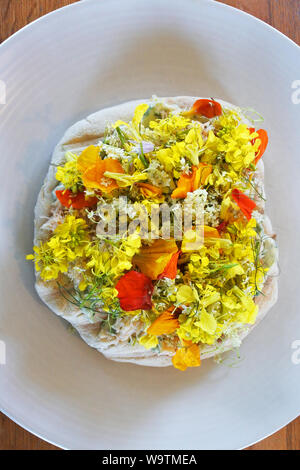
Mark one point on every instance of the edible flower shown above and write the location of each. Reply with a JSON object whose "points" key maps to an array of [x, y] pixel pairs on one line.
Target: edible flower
{"points": [[184, 185], [142, 147], [170, 270], [188, 183], [148, 341], [92, 169], [246, 204], [68, 174], [134, 291], [153, 259], [165, 324], [264, 139], [187, 356], [68, 242], [75, 200], [204, 107], [133, 128], [186, 295], [88, 158], [193, 240], [148, 190], [124, 180], [94, 177]]}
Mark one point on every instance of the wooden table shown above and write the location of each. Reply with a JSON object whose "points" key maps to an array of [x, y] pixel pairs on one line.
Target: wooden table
{"points": [[283, 15]]}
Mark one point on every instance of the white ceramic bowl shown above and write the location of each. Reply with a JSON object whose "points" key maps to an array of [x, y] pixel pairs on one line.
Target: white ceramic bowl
{"points": [[56, 71]]}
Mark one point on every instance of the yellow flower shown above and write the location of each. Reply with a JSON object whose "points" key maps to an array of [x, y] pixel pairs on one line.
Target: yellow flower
{"points": [[187, 357], [249, 312], [68, 242], [153, 259], [68, 174], [149, 191], [173, 127], [193, 144], [236, 270], [149, 341], [191, 329], [186, 295], [125, 180], [72, 236], [207, 323], [170, 157], [48, 262], [138, 115], [133, 128], [131, 244]]}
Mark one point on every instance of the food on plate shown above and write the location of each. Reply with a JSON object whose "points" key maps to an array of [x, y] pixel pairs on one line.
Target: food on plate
{"points": [[112, 252]]}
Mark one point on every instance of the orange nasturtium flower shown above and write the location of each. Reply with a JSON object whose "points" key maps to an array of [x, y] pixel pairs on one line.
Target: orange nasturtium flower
{"points": [[93, 168], [188, 183], [165, 324], [76, 200], [210, 232], [264, 139], [170, 270], [153, 259], [148, 190], [134, 291], [246, 204], [204, 107], [188, 356]]}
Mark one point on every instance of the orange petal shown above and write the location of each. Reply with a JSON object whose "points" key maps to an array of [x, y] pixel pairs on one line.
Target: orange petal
{"points": [[188, 183], [94, 177], [201, 174], [153, 259], [264, 139], [210, 232], [165, 324], [205, 107], [148, 190], [187, 357], [170, 270], [246, 204], [77, 200], [184, 185]]}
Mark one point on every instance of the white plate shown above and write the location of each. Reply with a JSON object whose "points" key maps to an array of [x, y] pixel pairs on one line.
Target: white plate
{"points": [[65, 66]]}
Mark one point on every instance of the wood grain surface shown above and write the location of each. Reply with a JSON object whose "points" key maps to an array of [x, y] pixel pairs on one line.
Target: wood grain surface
{"points": [[284, 15]]}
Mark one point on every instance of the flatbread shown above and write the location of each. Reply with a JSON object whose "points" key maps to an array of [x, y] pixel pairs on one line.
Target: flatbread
{"points": [[116, 347]]}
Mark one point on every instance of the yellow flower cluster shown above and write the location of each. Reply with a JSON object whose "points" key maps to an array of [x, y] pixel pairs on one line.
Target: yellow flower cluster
{"points": [[171, 128], [113, 260], [202, 285], [68, 174], [233, 141], [189, 148], [67, 243]]}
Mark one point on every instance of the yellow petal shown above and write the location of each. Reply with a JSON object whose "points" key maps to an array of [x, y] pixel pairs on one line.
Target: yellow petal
{"points": [[88, 158], [138, 115], [187, 357], [208, 323], [148, 341], [185, 295]]}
